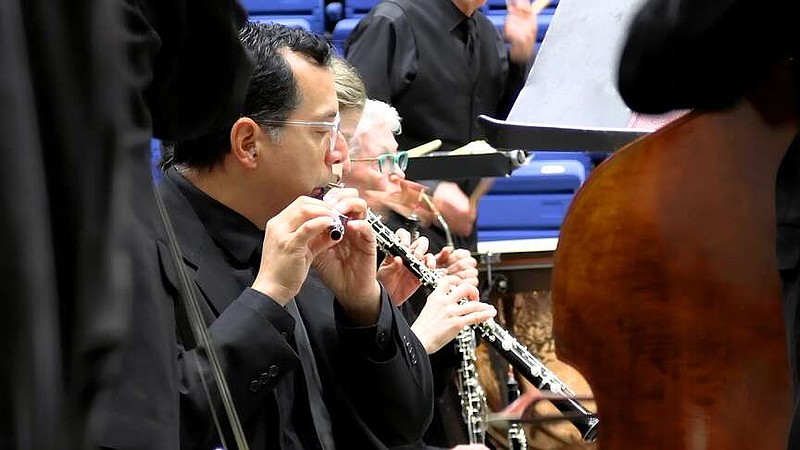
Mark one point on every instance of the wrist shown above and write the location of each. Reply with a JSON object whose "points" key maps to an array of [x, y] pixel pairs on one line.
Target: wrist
{"points": [[521, 52], [426, 344], [280, 294], [363, 309]]}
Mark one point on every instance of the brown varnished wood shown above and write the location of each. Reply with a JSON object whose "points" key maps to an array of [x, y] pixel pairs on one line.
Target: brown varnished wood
{"points": [[665, 287]]}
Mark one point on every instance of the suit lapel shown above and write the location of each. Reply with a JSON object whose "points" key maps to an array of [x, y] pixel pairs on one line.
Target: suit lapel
{"points": [[210, 272]]}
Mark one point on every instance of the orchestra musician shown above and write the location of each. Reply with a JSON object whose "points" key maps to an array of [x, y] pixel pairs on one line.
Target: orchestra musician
{"points": [[406, 49], [315, 354], [376, 170]]}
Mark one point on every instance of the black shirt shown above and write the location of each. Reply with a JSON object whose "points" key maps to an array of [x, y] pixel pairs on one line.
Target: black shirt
{"points": [[240, 241], [413, 55], [231, 308]]}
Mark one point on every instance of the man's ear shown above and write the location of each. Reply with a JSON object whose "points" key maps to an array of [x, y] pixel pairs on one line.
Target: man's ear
{"points": [[245, 146]]}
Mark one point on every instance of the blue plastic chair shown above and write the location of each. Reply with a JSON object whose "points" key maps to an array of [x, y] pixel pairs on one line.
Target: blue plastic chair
{"points": [[532, 202], [543, 19], [352, 11], [293, 22], [155, 160], [312, 11]]}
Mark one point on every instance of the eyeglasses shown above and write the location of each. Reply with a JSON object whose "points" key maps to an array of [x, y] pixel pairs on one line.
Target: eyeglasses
{"points": [[334, 126], [387, 162]]}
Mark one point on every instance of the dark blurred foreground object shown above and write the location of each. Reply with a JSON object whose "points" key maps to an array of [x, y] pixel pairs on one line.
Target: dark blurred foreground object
{"points": [[703, 54], [78, 82]]}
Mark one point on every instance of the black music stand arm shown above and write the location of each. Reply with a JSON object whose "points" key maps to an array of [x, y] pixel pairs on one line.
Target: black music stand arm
{"points": [[502, 134], [451, 167]]}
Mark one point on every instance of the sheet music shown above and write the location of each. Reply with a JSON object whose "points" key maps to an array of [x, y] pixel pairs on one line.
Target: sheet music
{"points": [[573, 80]]}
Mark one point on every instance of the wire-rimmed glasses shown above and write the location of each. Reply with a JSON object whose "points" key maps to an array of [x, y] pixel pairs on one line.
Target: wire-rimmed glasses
{"points": [[333, 126]]}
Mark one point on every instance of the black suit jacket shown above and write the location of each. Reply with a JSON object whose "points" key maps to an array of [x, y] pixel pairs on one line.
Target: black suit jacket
{"points": [[373, 404]]}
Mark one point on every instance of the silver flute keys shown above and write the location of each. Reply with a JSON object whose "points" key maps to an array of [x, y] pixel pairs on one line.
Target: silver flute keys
{"points": [[473, 399], [501, 340], [516, 434]]}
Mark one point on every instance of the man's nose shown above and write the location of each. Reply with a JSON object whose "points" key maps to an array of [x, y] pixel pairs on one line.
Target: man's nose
{"points": [[340, 153]]}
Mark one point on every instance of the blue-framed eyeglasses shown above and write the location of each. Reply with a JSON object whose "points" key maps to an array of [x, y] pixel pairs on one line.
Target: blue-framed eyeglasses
{"points": [[387, 162], [333, 126]]}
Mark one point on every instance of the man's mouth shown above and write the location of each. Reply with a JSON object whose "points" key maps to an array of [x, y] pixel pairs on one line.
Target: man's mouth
{"points": [[318, 192]]}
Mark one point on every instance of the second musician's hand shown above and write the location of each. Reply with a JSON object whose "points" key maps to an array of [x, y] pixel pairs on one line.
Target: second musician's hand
{"points": [[398, 280]]}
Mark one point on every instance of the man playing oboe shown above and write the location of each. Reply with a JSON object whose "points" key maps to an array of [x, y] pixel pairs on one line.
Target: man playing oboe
{"points": [[314, 351]]}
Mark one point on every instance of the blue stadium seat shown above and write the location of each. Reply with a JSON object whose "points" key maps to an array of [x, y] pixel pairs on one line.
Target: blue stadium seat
{"points": [[341, 30], [544, 18], [543, 176], [498, 7], [358, 8], [293, 22], [513, 235], [352, 12], [155, 159], [313, 11], [532, 202]]}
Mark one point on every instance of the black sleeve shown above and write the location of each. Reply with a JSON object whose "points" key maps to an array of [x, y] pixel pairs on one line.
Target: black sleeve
{"points": [[702, 54], [383, 51], [253, 341], [393, 394]]}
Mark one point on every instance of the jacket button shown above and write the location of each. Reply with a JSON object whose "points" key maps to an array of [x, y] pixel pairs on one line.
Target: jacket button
{"points": [[273, 370], [255, 386], [382, 337], [264, 378]]}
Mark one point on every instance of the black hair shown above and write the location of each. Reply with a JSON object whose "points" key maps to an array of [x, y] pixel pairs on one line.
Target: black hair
{"points": [[272, 93]]}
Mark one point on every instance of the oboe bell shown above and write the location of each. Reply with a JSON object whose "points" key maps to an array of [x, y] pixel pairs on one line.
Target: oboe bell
{"points": [[336, 229]]}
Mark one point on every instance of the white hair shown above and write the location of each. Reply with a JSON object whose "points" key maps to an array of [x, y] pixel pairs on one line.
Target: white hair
{"points": [[378, 112]]}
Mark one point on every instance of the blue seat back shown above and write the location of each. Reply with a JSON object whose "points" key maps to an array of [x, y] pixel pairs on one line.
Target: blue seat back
{"points": [[358, 8], [294, 22], [533, 201], [155, 159], [351, 13], [543, 20], [313, 11]]}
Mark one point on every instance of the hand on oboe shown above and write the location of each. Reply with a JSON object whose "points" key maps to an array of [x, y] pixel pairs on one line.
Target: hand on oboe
{"points": [[348, 267], [458, 262], [293, 238], [444, 315], [399, 281]]}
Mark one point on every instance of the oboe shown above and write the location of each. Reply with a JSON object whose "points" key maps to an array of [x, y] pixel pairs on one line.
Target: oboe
{"points": [[470, 391], [335, 229], [500, 339], [516, 434]]}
